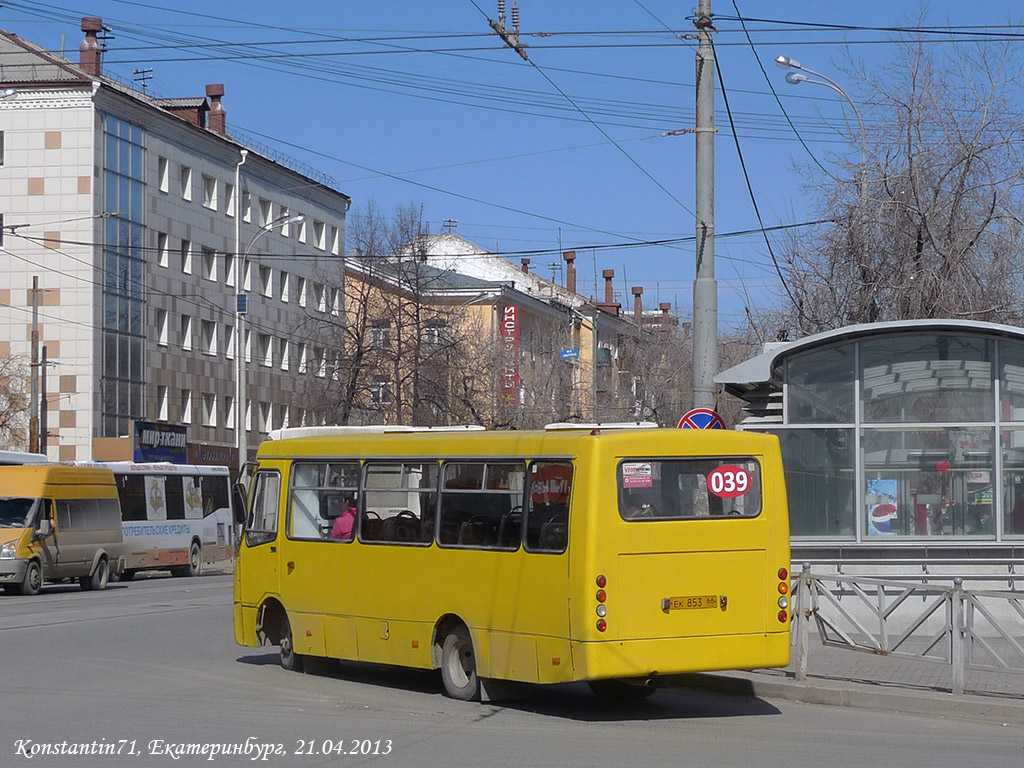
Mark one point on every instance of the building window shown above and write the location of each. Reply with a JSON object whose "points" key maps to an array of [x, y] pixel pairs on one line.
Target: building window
{"points": [[285, 351], [229, 411], [247, 275], [285, 227], [229, 269], [246, 205], [264, 417], [229, 199], [161, 403], [161, 327], [186, 406], [210, 192], [186, 332], [380, 394], [248, 415], [266, 282], [186, 183], [209, 264], [335, 241], [319, 235], [208, 334], [300, 290], [335, 302], [380, 335], [283, 286], [162, 246], [302, 231], [163, 174], [302, 357], [124, 168], [266, 209], [320, 297], [264, 349], [319, 362], [247, 345], [186, 256], [209, 409], [229, 342]]}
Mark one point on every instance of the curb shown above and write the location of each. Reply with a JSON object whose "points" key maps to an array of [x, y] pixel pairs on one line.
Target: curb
{"points": [[861, 696]]}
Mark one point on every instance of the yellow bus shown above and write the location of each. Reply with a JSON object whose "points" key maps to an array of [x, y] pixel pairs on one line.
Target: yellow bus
{"points": [[615, 556]]}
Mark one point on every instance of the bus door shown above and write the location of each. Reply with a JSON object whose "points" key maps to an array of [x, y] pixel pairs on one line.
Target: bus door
{"points": [[261, 574]]}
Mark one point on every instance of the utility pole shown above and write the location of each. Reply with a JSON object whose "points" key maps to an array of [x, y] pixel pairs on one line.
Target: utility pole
{"points": [[705, 287], [43, 415], [33, 407]]}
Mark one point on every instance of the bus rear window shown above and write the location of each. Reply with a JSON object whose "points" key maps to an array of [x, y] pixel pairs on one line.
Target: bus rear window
{"points": [[684, 489]]}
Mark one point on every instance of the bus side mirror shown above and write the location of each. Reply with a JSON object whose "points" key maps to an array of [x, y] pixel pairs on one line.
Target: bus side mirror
{"points": [[43, 529], [238, 503]]}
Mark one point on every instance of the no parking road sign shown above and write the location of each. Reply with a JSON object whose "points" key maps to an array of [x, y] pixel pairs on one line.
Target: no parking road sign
{"points": [[701, 418]]}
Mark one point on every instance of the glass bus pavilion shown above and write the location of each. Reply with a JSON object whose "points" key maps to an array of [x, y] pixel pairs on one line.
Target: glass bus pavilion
{"points": [[903, 443]]}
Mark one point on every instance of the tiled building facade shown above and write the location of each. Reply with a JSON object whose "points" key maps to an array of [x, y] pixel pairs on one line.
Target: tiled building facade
{"points": [[135, 215]]}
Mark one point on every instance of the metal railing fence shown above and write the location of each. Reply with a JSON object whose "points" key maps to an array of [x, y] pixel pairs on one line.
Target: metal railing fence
{"points": [[963, 628]]}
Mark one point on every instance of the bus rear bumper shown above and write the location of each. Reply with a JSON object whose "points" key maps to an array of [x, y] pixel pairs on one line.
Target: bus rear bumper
{"points": [[649, 660]]}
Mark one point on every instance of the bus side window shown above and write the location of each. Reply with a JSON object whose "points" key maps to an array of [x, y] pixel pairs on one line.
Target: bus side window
{"points": [[547, 518]]}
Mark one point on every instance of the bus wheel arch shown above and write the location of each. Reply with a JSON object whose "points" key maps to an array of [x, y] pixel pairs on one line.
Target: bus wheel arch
{"points": [[274, 628], [454, 653]]}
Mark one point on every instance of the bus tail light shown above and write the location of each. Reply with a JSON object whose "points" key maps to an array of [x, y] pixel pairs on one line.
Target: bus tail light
{"points": [[783, 602], [601, 595], [602, 625], [783, 574], [783, 587], [783, 617], [602, 581], [602, 611]]}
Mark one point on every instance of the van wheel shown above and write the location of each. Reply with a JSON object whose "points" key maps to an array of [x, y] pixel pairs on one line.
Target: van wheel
{"points": [[458, 665], [290, 660], [32, 582], [98, 579]]}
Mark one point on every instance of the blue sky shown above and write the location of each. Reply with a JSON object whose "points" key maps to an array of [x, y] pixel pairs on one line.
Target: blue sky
{"points": [[413, 102]]}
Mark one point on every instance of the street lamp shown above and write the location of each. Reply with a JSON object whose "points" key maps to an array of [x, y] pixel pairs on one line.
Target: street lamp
{"points": [[241, 307], [795, 78]]}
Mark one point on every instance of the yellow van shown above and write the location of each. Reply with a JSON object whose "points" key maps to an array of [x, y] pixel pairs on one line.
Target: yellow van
{"points": [[58, 522]]}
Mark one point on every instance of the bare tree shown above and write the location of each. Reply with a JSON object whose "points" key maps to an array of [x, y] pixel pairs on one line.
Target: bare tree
{"points": [[13, 401], [933, 230], [405, 348]]}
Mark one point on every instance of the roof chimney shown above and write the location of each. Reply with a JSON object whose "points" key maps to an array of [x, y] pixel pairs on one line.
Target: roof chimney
{"points": [[638, 303], [664, 307], [526, 265], [570, 270], [89, 51], [218, 115], [608, 275]]}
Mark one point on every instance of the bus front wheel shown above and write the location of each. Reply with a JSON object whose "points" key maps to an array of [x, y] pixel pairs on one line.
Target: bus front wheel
{"points": [[458, 665], [290, 660]]}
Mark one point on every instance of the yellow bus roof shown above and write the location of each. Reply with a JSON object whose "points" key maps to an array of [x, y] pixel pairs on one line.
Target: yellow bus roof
{"points": [[561, 442]]}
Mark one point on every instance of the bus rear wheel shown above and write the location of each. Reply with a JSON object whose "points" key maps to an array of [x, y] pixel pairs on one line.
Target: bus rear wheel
{"points": [[290, 660], [458, 665]]}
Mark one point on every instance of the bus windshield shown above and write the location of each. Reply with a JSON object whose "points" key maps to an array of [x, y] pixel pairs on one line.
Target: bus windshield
{"points": [[16, 511]]}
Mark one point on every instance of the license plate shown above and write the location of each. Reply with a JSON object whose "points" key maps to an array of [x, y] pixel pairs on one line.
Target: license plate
{"points": [[689, 602]]}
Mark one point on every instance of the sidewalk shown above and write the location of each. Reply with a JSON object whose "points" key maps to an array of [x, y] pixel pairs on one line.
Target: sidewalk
{"points": [[842, 677]]}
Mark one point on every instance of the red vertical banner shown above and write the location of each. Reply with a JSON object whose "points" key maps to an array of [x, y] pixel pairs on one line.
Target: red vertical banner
{"points": [[510, 363]]}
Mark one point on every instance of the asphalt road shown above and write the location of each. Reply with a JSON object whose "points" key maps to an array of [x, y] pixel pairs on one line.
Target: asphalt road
{"points": [[150, 669]]}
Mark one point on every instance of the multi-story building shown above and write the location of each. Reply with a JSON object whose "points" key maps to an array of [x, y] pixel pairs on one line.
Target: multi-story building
{"points": [[140, 220]]}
